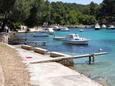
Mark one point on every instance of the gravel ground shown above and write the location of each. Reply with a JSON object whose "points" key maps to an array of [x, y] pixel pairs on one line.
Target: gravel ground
{"points": [[13, 68], [1, 77]]}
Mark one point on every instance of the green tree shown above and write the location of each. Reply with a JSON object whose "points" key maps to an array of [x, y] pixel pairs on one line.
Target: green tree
{"points": [[107, 11], [38, 13], [93, 8], [14, 12], [21, 10], [6, 7], [86, 19]]}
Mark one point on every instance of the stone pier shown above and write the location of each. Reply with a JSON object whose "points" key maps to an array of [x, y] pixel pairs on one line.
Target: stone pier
{"points": [[65, 62], [51, 73]]}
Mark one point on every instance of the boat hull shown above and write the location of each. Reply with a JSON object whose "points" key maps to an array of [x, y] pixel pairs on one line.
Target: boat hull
{"points": [[57, 29], [83, 42], [58, 38], [97, 28]]}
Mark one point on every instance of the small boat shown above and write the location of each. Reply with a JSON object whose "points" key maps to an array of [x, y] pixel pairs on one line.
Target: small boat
{"points": [[111, 27], [81, 30], [49, 30], [56, 28], [104, 26], [58, 38], [97, 26], [64, 28], [75, 39], [60, 28]]}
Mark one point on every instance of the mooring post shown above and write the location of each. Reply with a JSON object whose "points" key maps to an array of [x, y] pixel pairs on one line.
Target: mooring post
{"points": [[44, 43], [93, 58], [89, 59]]}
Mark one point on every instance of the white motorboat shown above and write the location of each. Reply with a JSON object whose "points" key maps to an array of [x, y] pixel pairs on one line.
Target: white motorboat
{"points": [[57, 28], [111, 27], [104, 26], [49, 30], [81, 30], [60, 28], [97, 26], [58, 38], [75, 39], [64, 28]]}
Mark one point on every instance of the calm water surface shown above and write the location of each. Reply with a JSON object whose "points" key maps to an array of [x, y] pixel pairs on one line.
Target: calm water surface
{"points": [[104, 67]]}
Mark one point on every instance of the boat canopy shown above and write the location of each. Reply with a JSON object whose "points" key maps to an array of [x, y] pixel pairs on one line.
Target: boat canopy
{"points": [[73, 36]]}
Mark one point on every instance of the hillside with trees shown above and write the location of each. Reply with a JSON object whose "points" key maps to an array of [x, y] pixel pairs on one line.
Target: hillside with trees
{"points": [[35, 12], [107, 12]]}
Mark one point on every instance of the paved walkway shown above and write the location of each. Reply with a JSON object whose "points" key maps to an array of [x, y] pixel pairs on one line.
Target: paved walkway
{"points": [[1, 76], [52, 73]]}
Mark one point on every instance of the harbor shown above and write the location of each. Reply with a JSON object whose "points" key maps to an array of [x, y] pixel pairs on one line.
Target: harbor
{"points": [[96, 43], [57, 43], [46, 46]]}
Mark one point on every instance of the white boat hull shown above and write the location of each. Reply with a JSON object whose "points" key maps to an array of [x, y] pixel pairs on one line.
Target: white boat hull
{"points": [[97, 26], [58, 28], [58, 38], [78, 42]]}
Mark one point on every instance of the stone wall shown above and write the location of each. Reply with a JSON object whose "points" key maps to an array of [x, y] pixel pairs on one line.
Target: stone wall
{"points": [[4, 37], [66, 62]]}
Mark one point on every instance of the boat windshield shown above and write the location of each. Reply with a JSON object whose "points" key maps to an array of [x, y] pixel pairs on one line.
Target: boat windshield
{"points": [[73, 36]]}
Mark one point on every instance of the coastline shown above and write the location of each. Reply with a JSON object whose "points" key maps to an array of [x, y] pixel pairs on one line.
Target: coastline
{"points": [[52, 72], [99, 81], [41, 28], [55, 70]]}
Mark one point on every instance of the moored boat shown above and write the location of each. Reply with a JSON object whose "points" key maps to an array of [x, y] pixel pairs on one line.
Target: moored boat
{"points": [[75, 39], [81, 30], [56, 28], [60, 28], [58, 38], [64, 28], [111, 27], [49, 30], [104, 26], [97, 26]]}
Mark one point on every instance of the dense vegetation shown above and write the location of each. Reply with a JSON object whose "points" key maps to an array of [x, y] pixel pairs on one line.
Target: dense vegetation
{"points": [[36, 12], [107, 12]]}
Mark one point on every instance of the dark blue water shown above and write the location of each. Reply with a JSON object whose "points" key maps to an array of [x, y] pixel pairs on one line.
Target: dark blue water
{"points": [[104, 67]]}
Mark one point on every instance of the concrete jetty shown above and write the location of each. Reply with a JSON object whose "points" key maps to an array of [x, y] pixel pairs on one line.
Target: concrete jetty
{"points": [[53, 73], [91, 58]]}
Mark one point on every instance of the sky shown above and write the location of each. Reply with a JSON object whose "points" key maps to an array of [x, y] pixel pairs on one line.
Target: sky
{"points": [[78, 1]]}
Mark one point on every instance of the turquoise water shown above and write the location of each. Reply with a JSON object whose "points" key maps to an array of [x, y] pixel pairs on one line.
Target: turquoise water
{"points": [[104, 67]]}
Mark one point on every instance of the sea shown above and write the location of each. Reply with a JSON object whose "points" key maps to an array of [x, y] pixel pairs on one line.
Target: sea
{"points": [[103, 70]]}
